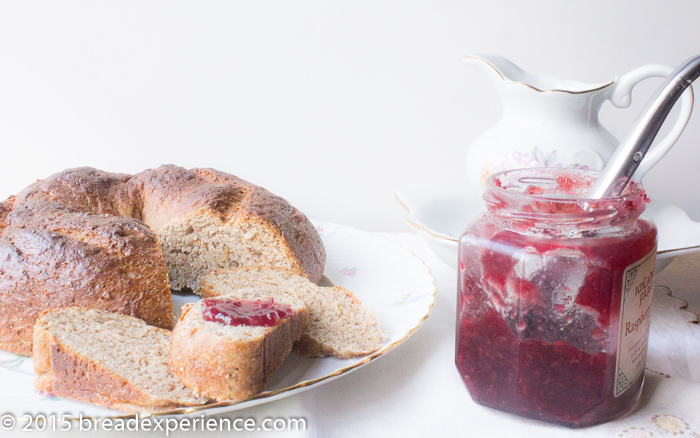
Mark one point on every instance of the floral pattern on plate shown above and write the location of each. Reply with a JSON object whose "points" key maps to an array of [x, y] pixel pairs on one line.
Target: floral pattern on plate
{"points": [[389, 274]]}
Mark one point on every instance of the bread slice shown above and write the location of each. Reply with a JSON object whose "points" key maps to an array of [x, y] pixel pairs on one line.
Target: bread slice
{"points": [[226, 362], [338, 323], [107, 359]]}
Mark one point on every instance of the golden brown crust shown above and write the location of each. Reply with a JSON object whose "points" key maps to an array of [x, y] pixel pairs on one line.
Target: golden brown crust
{"points": [[83, 237], [207, 364], [5, 209], [63, 389], [301, 238], [222, 368], [82, 375], [65, 373], [63, 245], [172, 192]]}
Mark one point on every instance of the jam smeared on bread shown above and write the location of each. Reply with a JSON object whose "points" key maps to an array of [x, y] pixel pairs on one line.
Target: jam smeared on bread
{"points": [[339, 325], [94, 239], [232, 362], [257, 313]]}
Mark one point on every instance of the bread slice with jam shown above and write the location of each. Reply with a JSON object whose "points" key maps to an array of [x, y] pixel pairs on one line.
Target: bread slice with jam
{"points": [[339, 325], [226, 348]]}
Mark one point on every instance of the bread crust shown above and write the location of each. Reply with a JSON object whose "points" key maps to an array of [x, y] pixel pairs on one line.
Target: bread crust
{"points": [[65, 372], [83, 237], [65, 245], [223, 368], [62, 389], [302, 241]]}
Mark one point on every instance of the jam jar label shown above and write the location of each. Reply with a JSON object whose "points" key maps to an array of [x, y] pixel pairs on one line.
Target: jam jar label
{"points": [[635, 313]]}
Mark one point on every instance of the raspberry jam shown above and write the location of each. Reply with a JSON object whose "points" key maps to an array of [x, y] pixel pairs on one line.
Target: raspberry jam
{"points": [[554, 297], [259, 313]]}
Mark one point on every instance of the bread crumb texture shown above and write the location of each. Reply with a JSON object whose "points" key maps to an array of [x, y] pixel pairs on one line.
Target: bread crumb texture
{"points": [[107, 359], [339, 325]]}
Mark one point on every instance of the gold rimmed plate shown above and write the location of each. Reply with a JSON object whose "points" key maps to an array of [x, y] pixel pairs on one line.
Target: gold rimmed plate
{"points": [[388, 279]]}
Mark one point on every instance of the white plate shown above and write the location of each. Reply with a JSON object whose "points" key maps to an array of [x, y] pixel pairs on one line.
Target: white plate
{"points": [[387, 278], [441, 214]]}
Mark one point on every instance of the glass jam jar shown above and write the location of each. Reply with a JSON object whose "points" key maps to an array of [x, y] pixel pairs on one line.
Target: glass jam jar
{"points": [[554, 298]]}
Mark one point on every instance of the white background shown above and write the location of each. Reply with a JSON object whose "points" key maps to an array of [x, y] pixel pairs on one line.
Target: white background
{"points": [[333, 105]]}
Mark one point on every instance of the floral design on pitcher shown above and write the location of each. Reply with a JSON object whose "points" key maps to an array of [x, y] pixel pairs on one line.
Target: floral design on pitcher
{"points": [[546, 159]]}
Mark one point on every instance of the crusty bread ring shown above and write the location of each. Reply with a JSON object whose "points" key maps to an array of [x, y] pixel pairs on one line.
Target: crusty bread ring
{"points": [[88, 238]]}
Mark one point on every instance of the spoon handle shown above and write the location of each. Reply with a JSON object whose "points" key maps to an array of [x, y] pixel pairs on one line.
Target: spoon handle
{"points": [[619, 170]]}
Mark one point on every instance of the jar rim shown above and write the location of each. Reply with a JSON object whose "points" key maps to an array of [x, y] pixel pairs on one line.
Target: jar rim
{"points": [[548, 198], [633, 189]]}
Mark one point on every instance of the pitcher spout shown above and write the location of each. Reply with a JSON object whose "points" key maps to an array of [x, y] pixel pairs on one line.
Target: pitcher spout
{"points": [[503, 71]]}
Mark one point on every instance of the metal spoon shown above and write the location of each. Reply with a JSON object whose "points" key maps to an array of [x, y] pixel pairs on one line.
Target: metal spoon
{"points": [[619, 170]]}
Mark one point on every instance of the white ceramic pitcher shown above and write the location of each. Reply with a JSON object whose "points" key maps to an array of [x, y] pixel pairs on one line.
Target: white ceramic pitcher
{"points": [[549, 122]]}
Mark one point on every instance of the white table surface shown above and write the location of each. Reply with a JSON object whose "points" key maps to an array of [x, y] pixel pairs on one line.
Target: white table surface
{"points": [[415, 390], [334, 105]]}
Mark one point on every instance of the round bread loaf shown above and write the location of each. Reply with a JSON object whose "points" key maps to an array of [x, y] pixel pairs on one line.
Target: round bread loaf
{"points": [[89, 238]]}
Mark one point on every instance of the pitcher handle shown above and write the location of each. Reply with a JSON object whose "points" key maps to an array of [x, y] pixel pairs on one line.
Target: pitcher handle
{"points": [[622, 97]]}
